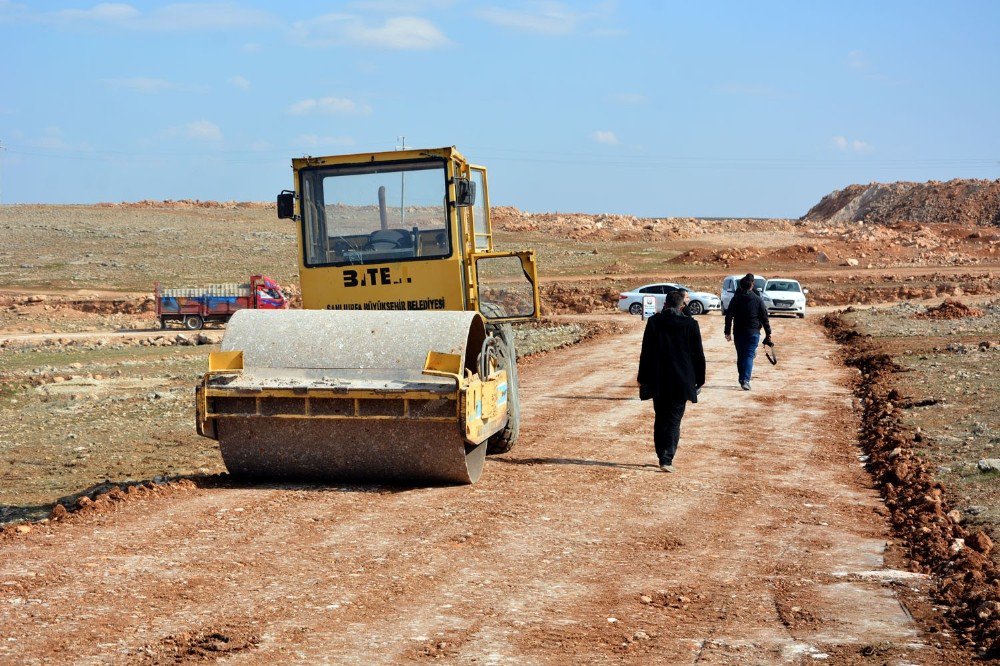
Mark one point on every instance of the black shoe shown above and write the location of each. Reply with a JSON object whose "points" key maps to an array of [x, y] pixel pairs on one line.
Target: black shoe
{"points": [[745, 386]]}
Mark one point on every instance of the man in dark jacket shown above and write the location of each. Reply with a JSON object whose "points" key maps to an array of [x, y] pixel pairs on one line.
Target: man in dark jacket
{"points": [[744, 317], [671, 370]]}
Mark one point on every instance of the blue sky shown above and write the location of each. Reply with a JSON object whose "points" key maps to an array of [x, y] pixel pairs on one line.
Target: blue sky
{"points": [[645, 108]]}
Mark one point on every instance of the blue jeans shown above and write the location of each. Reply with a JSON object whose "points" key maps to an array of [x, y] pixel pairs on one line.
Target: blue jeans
{"points": [[746, 349]]}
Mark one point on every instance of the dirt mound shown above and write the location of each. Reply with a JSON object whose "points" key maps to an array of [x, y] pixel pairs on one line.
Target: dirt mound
{"points": [[564, 299], [955, 201], [967, 579], [608, 226], [186, 204], [950, 309]]}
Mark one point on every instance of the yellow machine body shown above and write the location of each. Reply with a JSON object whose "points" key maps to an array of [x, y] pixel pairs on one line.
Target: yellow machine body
{"points": [[401, 366]]}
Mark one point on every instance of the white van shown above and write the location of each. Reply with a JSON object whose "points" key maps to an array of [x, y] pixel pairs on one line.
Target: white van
{"points": [[732, 283]]}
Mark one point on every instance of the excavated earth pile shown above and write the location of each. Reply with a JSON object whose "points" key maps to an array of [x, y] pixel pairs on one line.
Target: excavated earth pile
{"points": [[950, 309], [967, 579], [961, 201]]}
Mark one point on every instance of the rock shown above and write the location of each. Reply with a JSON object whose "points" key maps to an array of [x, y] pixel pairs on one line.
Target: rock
{"points": [[980, 542], [851, 262], [204, 339], [23, 529], [640, 635], [59, 512], [955, 516], [988, 608], [956, 546], [822, 257], [646, 599], [989, 465]]}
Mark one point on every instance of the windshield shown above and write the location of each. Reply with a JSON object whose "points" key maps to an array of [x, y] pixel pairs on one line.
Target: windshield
{"points": [[782, 285], [374, 213]]}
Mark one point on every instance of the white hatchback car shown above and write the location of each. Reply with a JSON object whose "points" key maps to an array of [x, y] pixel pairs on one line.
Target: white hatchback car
{"points": [[732, 283], [700, 302], [785, 296]]}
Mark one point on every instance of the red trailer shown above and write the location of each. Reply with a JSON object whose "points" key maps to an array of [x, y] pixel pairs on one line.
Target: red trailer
{"points": [[193, 307]]}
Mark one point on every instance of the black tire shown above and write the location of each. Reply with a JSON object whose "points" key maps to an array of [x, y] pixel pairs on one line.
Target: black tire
{"points": [[504, 441], [800, 315], [695, 308], [163, 323], [635, 308], [194, 322]]}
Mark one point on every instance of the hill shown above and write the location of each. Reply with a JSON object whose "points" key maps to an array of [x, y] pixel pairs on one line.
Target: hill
{"points": [[955, 201]]}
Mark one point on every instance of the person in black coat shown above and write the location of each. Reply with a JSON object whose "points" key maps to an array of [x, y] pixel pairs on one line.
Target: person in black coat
{"points": [[671, 371], [745, 316]]}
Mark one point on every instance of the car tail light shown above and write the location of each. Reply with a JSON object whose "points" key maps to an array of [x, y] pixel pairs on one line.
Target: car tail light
{"points": [[622, 297]]}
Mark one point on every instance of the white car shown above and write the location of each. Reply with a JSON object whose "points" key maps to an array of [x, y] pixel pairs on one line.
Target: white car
{"points": [[785, 296], [701, 302], [732, 283]]}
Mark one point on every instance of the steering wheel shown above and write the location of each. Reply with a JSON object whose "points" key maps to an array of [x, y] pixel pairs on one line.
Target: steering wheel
{"points": [[388, 239]]}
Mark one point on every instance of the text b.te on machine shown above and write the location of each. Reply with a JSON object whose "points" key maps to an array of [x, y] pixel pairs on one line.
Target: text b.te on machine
{"points": [[401, 367]]}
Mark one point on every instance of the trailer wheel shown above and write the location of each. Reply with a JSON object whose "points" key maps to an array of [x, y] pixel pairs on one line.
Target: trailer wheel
{"points": [[193, 322], [163, 323]]}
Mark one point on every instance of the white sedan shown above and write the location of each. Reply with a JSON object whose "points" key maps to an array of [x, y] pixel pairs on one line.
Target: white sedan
{"points": [[700, 302], [784, 296]]}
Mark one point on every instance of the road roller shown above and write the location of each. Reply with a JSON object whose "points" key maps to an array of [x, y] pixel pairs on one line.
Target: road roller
{"points": [[401, 365]]}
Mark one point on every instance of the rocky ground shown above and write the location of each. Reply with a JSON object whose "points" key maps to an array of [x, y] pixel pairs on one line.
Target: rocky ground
{"points": [[927, 392], [93, 396]]}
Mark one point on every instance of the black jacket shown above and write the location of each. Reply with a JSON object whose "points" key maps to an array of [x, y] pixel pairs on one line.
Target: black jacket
{"points": [[672, 361], [747, 312]]}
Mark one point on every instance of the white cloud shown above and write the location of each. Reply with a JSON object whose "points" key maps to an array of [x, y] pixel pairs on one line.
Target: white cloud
{"points": [[398, 33], [547, 18], [105, 12], [328, 106], [240, 82], [606, 137], [401, 6], [179, 17], [844, 144], [140, 84], [628, 99], [52, 138], [199, 130], [306, 141], [551, 17]]}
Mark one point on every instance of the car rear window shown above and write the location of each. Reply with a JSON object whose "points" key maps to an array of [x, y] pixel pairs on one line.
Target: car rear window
{"points": [[782, 285]]}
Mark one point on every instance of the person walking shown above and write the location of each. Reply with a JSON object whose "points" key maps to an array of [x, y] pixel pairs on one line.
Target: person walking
{"points": [[744, 317], [671, 372]]}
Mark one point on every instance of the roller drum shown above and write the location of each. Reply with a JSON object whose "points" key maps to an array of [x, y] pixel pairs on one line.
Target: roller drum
{"points": [[309, 352]]}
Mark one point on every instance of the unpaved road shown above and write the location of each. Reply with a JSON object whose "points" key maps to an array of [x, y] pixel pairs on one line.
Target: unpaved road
{"points": [[766, 546]]}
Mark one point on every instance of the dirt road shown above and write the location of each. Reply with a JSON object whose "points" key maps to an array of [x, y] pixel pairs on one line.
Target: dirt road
{"points": [[766, 546]]}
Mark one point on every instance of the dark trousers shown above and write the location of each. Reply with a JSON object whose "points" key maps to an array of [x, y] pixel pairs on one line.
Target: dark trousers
{"points": [[746, 349], [667, 427]]}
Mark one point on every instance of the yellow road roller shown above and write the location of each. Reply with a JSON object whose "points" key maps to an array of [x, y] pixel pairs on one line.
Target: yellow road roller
{"points": [[401, 366]]}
